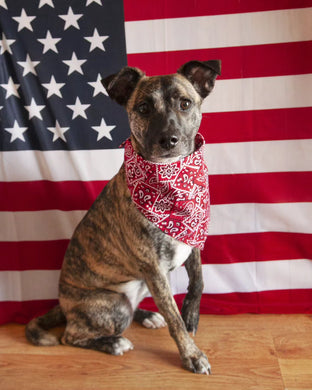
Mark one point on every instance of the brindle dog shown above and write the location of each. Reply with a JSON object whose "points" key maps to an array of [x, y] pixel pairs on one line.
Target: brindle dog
{"points": [[116, 256]]}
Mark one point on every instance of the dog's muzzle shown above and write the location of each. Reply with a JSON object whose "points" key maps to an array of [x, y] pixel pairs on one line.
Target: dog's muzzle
{"points": [[168, 142]]}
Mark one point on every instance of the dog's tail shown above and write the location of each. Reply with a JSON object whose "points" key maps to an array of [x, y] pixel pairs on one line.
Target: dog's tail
{"points": [[36, 330]]}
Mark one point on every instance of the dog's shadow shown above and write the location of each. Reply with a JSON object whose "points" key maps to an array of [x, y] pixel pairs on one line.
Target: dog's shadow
{"points": [[153, 347], [154, 350]]}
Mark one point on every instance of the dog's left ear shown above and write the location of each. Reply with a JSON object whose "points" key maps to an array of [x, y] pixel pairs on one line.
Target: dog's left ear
{"points": [[201, 74], [120, 86]]}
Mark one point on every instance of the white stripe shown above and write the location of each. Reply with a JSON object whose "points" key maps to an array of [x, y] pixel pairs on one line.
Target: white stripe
{"points": [[84, 165], [258, 157], [38, 225], [28, 285], [226, 158], [261, 217], [249, 277], [218, 279], [260, 93], [225, 219], [254, 28]]}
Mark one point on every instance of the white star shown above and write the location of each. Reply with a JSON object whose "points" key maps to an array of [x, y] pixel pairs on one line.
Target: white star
{"points": [[11, 88], [3, 4], [74, 64], [16, 132], [58, 132], [28, 65], [71, 19], [24, 21], [53, 87], [34, 109], [78, 108], [49, 43], [93, 1], [103, 130], [97, 41], [5, 44], [98, 86], [46, 2]]}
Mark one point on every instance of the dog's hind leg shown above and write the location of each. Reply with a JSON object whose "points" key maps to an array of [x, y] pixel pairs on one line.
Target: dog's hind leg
{"points": [[37, 330], [149, 319], [115, 345], [98, 321]]}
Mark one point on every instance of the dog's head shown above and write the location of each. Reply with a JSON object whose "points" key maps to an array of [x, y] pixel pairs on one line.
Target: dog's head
{"points": [[164, 111]]}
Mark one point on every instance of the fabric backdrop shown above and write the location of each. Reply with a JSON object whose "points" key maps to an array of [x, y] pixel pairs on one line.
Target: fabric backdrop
{"points": [[59, 138]]}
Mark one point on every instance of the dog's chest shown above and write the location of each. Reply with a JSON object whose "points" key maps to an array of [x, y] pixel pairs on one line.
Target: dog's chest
{"points": [[136, 290], [181, 253]]}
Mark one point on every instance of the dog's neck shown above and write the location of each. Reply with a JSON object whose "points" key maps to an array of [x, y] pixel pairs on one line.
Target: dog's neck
{"points": [[174, 196]]}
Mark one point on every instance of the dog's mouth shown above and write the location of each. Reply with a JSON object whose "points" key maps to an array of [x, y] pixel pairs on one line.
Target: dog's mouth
{"points": [[164, 151], [160, 156], [181, 149], [166, 158]]}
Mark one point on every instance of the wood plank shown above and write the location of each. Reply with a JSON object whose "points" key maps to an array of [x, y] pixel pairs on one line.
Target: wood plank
{"points": [[297, 373], [294, 352], [293, 345], [246, 352]]}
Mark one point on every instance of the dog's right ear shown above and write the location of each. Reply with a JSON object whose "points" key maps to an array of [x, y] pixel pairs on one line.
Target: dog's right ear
{"points": [[120, 86]]}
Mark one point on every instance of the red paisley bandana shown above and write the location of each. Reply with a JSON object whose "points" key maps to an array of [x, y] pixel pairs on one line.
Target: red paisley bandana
{"points": [[175, 196]]}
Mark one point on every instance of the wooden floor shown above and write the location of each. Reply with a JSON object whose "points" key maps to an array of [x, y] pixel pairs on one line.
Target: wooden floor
{"points": [[267, 352]]}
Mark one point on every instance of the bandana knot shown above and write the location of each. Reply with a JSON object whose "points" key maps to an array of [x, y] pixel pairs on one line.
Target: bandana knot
{"points": [[174, 196]]}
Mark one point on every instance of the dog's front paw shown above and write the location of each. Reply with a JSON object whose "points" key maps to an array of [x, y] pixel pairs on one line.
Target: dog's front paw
{"points": [[197, 363]]}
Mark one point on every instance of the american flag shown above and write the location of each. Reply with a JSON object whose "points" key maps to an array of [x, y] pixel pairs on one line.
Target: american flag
{"points": [[60, 134]]}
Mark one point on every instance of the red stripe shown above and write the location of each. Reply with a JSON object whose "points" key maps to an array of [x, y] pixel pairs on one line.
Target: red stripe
{"points": [[260, 125], [277, 187], [48, 195], [274, 302], [223, 249], [237, 248], [142, 10], [22, 312], [32, 255], [237, 62], [241, 188]]}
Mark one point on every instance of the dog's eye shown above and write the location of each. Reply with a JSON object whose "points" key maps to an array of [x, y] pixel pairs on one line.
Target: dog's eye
{"points": [[185, 104], [143, 108]]}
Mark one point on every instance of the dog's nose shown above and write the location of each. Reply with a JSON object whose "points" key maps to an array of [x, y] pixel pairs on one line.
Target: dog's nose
{"points": [[169, 142]]}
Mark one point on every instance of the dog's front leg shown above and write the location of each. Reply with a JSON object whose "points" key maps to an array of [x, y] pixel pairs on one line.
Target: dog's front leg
{"points": [[191, 303], [193, 359]]}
